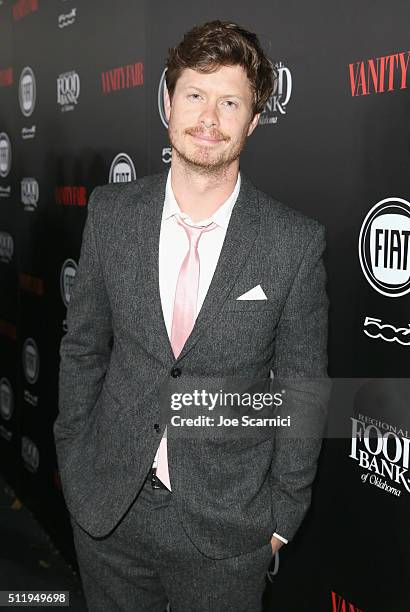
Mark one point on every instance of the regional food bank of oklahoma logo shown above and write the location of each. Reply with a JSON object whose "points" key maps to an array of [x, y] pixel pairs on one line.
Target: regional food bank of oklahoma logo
{"points": [[68, 90], [384, 247], [279, 99]]}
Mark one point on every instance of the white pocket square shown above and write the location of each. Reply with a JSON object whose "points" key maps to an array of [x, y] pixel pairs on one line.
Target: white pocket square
{"points": [[256, 293]]}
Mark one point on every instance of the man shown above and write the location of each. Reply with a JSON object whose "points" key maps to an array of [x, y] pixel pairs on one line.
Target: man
{"points": [[188, 277]]}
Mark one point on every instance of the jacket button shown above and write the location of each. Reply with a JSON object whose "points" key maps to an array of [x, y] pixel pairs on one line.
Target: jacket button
{"points": [[156, 427], [175, 372]]}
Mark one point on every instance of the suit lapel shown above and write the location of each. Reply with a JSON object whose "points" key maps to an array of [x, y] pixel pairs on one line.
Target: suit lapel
{"points": [[150, 203], [243, 229]]}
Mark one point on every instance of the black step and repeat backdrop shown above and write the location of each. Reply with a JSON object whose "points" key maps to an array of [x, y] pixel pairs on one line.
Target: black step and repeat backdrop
{"points": [[81, 104]]}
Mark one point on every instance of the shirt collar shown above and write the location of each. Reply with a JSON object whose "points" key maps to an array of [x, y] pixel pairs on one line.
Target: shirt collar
{"points": [[220, 217]]}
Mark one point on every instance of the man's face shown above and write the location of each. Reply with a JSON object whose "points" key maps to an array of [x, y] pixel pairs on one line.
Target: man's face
{"points": [[210, 117]]}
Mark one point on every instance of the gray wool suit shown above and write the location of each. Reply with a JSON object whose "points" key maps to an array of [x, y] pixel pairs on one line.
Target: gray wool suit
{"points": [[229, 494]]}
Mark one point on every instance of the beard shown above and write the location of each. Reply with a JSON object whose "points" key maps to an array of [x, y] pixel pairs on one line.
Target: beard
{"points": [[203, 159]]}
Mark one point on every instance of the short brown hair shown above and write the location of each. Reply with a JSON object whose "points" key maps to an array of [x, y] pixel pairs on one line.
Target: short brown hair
{"points": [[220, 43]]}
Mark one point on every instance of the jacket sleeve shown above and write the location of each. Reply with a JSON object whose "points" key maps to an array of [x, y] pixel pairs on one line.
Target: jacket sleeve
{"points": [[300, 367], [85, 349]]}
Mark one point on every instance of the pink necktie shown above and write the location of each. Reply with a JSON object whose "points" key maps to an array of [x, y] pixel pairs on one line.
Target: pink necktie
{"points": [[183, 318]]}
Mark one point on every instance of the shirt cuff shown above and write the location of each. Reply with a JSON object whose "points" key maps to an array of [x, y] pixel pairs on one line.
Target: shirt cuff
{"points": [[284, 540]]}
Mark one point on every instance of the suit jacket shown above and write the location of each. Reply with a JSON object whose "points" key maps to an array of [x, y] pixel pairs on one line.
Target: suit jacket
{"points": [[231, 493]]}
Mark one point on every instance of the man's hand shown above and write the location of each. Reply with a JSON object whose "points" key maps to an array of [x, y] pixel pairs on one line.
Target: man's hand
{"points": [[276, 544]]}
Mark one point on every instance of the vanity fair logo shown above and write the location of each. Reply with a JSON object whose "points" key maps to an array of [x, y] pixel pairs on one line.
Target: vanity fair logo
{"points": [[68, 90], [384, 247], [383, 451], [122, 169], [27, 91], [5, 155], [29, 193], [67, 276], [6, 77], [6, 247], [30, 454], [122, 77], [31, 284], [339, 604], [71, 195], [375, 76], [22, 8], [278, 101], [374, 328]]}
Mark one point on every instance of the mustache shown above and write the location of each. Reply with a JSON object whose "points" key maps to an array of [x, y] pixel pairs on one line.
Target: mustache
{"points": [[214, 134]]}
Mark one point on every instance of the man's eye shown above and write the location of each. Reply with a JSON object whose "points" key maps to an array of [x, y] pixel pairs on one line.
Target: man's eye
{"points": [[194, 96], [230, 104]]}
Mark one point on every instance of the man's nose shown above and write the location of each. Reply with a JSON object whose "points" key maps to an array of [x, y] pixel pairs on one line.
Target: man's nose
{"points": [[209, 116]]}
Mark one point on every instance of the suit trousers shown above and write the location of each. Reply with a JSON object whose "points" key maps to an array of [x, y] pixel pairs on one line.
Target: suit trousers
{"points": [[148, 561]]}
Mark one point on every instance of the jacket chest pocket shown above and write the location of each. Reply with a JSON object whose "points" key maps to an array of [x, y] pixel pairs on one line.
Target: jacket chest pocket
{"points": [[250, 306]]}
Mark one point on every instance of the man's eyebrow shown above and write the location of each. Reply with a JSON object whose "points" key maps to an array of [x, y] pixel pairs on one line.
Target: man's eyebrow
{"points": [[202, 91]]}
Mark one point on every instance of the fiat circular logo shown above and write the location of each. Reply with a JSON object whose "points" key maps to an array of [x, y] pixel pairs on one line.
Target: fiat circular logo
{"points": [[384, 251], [161, 103], [27, 91]]}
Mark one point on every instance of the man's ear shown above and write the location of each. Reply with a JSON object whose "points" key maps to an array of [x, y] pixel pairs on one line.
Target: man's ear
{"points": [[167, 103], [253, 123]]}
